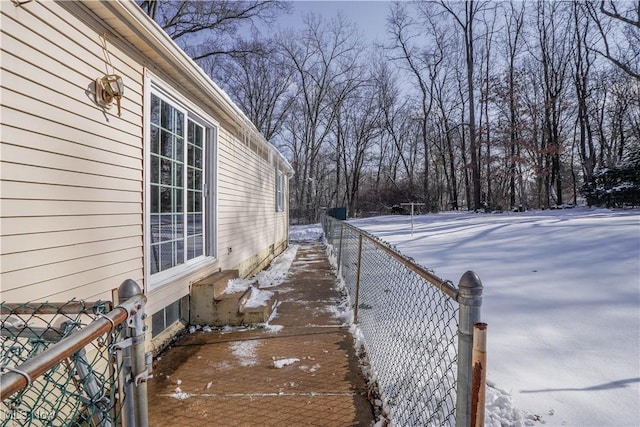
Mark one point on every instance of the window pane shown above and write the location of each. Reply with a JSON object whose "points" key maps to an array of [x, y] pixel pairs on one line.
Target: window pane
{"points": [[172, 313], [191, 133], [155, 258], [165, 199], [178, 200], [166, 256], [195, 247], [178, 177], [154, 169], [190, 154], [189, 178], [190, 248], [197, 203], [197, 179], [197, 223], [166, 116], [166, 144], [155, 228], [179, 147], [157, 323], [179, 123], [154, 139], [190, 196], [178, 225], [154, 196], [179, 247], [166, 228], [165, 172], [199, 136], [155, 110], [197, 162], [199, 249], [194, 225]]}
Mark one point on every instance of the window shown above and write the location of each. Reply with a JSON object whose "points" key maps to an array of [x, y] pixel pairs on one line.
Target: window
{"points": [[167, 316], [279, 191], [180, 209]]}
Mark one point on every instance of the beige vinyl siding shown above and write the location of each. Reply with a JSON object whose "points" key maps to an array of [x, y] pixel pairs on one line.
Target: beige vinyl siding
{"points": [[71, 174], [248, 221], [62, 59], [72, 177]]}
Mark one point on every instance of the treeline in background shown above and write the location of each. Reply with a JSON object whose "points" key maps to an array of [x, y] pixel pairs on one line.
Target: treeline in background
{"points": [[458, 105]]}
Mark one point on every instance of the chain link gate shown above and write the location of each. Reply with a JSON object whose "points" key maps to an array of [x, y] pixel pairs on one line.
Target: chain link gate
{"points": [[75, 363], [417, 328]]}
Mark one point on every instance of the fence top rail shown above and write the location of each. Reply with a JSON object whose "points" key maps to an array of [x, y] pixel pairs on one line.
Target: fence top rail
{"points": [[70, 307], [445, 286]]}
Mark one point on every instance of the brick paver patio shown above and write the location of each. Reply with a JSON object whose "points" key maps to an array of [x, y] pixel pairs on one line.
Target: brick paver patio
{"points": [[299, 371]]}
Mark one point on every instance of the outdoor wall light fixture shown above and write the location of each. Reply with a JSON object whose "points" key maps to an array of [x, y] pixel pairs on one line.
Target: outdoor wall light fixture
{"points": [[108, 88]]}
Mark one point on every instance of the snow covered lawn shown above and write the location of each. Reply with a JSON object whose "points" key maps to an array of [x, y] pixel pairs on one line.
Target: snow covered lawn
{"points": [[561, 298]]}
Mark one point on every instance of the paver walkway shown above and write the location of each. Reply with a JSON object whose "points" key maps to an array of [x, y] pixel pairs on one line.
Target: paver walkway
{"points": [[300, 370]]}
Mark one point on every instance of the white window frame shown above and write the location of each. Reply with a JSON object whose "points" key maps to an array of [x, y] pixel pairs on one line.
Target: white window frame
{"points": [[154, 86], [279, 191]]}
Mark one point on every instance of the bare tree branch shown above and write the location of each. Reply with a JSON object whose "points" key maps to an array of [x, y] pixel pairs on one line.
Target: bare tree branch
{"points": [[210, 26]]}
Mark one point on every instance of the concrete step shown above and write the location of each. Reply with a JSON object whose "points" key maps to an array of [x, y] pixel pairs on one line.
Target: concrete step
{"points": [[218, 281], [210, 305], [256, 313]]}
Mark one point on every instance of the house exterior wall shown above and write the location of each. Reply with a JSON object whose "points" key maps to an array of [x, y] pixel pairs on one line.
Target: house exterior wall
{"points": [[73, 186], [71, 173]]}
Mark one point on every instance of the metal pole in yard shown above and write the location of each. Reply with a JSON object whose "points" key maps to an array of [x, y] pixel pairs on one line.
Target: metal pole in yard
{"points": [[470, 300], [411, 219], [412, 204]]}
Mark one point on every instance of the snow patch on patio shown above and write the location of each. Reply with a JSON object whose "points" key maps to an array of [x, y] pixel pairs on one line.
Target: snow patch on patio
{"points": [[179, 394], [281, 363], [245, 351]]}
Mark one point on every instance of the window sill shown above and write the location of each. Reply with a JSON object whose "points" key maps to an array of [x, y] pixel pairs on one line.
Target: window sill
{"points": [[176, 274]]}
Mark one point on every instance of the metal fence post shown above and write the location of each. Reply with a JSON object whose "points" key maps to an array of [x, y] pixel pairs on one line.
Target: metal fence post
{"points": [[470, 300], [479, 383], [340, 248], [135, 359], [357, 299]]}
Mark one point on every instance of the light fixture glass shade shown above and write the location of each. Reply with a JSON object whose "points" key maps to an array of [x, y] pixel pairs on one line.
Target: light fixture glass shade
{"points": [[113, 85], [108, 88]]}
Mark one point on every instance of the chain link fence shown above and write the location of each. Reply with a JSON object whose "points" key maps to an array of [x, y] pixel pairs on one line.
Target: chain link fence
{"points": [[67, 364], [417, 328]]}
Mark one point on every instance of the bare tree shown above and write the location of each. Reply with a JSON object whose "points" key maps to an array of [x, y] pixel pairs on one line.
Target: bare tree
{"points": [[360, 123], [514, 18], [259, 83], [555, 51], [618, 24], [210, 28], [324, 56], [449, 138], [465, 15], [421, 62], [398, 123], [583, 62], [485, 121]]}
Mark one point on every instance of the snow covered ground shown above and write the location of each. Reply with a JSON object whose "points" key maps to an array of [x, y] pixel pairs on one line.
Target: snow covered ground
{"points": [[561, 298]]}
